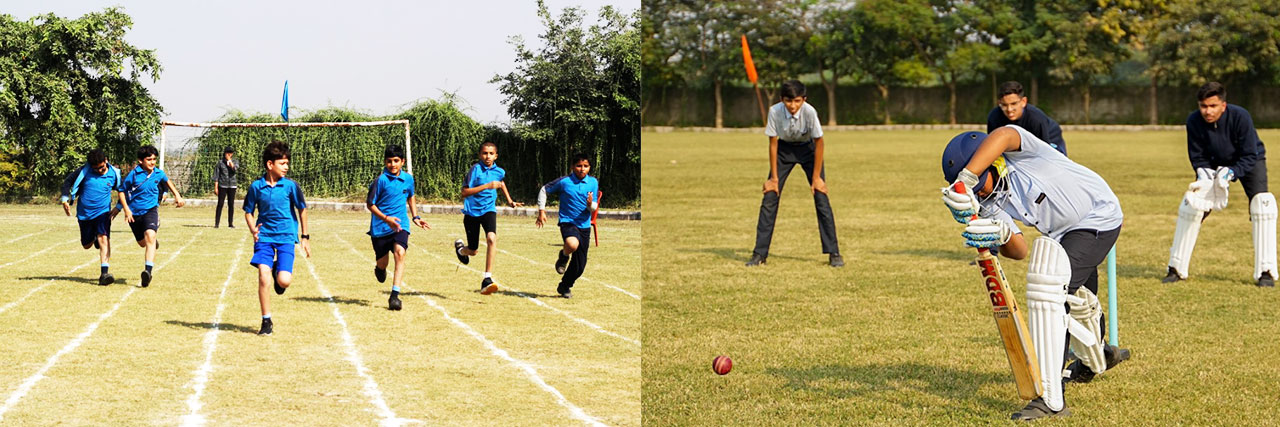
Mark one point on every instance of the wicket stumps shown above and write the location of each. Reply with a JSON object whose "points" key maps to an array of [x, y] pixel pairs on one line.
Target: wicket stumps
{"points": [[1113, 320]]}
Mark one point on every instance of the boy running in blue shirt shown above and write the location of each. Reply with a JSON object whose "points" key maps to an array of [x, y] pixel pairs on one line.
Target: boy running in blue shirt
{"points": [[388, 197], [480, 195], [577, 201], [140, 200], [93, 184], [281, 209]]}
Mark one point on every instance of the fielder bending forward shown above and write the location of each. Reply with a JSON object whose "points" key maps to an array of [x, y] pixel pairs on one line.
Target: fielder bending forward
{"points": [[1223, 146], [1018, 176]]}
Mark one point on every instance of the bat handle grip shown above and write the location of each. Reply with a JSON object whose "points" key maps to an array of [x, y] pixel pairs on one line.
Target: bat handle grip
{"points": [[958, 187]]}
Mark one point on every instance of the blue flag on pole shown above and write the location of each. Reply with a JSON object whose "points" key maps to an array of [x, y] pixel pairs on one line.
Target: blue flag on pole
{"points": [[284, 102]]}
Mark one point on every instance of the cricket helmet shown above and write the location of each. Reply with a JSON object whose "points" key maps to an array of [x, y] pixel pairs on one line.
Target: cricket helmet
{"points": [[958, 153]]}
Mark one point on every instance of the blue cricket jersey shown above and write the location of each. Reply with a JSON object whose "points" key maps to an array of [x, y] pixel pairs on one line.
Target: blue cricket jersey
{"points": [[575, 207], [390, 193], [277, 218], [485, 201], [143, 189], [93, 191]]}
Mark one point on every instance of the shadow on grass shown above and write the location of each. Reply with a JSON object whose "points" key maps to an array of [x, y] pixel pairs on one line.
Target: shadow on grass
{"points": [[222, 326], [85, 280], [202, 226], [336, 299], [416, 293], [1154, 273], [884, 381], [951, 255], [522, 294], [740, 255]]}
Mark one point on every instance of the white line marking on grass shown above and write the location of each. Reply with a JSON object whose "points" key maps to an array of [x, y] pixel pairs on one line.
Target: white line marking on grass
{"points": [[31, 381], [210, 344], [493, 348], [46, 284], [579, 278], [525, 366], [38, 253], [370, 386], [25, 236], [534, 300]]}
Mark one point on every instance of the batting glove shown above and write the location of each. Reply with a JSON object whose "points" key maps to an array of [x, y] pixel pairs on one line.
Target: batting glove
{"points": [[1204, 174], [986, 233], [1225, 175], [963, 206]]}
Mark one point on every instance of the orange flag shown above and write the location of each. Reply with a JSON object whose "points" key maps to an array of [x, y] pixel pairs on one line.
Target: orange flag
{"points": [[746, 60]]}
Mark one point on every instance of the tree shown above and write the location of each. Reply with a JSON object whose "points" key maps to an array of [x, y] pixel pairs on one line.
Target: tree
{"points": [[581, 93], [885, 51], [831, 46], [1090, 38], [67, 87]]}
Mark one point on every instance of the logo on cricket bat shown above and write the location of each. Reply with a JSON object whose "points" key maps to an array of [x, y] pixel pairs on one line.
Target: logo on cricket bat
{"points": [[1013, 330]]}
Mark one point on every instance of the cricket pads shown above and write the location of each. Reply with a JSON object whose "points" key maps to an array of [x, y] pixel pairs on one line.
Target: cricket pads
{"points": [[1086, 310], [1048, 274], [1262, 212], [1184, 236]]}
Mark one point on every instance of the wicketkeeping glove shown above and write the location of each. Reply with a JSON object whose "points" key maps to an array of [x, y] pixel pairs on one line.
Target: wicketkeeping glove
{"points": [[963, 206], [987, 233]]}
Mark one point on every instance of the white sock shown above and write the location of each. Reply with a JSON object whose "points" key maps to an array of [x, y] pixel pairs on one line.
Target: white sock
{"points": [[488, 275]]}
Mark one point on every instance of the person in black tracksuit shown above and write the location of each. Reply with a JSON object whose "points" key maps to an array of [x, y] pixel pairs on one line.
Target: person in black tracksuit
{"points": [[1014, 110], [224, 178]]}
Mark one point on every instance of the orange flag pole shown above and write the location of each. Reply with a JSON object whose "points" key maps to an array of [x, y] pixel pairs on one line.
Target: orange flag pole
{"points": [[751, 75]]}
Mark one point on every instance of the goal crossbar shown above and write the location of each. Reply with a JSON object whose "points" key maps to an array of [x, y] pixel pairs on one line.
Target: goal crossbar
{"points": [[408, 151]]}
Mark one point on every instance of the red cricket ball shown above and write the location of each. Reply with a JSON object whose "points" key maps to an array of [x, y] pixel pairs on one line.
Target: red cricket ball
{"points": [[722, 365]]}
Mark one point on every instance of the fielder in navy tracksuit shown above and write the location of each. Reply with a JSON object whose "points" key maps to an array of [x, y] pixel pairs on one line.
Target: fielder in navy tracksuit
{"points": [[92, 184], [579, 197], [1014, 110]]}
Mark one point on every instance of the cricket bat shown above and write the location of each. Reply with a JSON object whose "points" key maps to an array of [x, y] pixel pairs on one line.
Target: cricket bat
{"points": [[1009, 321]]}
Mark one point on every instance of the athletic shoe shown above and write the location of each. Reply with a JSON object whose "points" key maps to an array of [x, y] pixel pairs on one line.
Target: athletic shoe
{"points": [[1038, 409], [1266, 281], [457, 250], [1171, 277], [562, 263], [231, 226], [146, 278], [1077, 372], [394, 302], [266, 327], [106, 279], [275, 281], [755, 260], [837, 260], [487, 286], [380, 274], [566, 295]]}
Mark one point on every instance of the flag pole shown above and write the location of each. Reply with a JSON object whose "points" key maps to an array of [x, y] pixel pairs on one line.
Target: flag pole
{"points": [[751, 75]]}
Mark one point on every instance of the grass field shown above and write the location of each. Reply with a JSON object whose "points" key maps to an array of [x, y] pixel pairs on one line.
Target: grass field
{"points": [[903, 334], [185, 350]]}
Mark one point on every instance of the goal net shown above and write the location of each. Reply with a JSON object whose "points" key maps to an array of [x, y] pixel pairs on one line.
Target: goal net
{"points": [[334, 161]]}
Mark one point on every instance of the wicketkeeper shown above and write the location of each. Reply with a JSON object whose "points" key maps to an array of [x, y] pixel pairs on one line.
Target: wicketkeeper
{"points": [[1009, 175], [1224, 147]]}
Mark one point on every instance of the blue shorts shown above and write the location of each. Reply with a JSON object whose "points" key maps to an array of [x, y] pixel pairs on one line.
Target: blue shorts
{"points": [[278, 255], [90, 229], [567, 230]]}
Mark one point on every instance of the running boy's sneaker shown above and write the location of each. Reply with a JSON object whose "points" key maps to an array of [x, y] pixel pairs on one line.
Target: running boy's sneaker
{"points": [[106, 279], [487, 286], [562, 263], [380, 274], [457, 250], [146, 278], [266, 327], [393, 303]]}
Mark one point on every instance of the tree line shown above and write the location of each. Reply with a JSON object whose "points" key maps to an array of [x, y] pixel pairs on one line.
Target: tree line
{"points": [[948, 43]]}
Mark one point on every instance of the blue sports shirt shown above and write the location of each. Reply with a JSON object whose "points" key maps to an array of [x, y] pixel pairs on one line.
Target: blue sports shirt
{"points": [[277, 217], [575, 207], [93, 191], [390, 193], [143, 189], [485, 201]]}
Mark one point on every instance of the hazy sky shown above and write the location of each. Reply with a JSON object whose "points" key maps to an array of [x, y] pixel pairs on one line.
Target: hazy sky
{"points": [[375, 56]]}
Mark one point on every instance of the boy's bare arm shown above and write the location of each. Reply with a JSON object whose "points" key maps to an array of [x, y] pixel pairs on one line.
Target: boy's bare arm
{"points": [[178, 197], [124, 205], [413, 214], [302, 223], [771, 184], [513, 203], [468, 192], [253, 229], [819, 185]]}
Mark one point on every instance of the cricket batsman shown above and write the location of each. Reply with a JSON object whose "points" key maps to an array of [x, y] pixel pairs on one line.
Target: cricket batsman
{"points": [[1010, 174]]}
